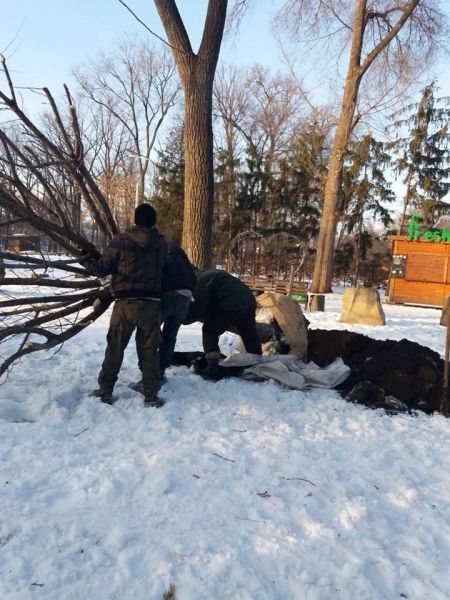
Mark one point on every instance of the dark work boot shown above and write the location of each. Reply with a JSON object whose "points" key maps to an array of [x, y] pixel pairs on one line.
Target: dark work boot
{"points": [[212, 359], [137, 386], [105, 397], [153, 402]]}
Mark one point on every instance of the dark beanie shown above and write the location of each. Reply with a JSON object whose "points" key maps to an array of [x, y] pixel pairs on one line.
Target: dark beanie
{"points": [[145, 215]]}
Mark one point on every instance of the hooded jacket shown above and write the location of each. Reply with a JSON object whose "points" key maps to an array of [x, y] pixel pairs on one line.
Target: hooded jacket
{"points": [[135, 260]]}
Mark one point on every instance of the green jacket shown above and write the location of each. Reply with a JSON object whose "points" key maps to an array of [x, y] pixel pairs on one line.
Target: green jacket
{"points": [[218, 291]]}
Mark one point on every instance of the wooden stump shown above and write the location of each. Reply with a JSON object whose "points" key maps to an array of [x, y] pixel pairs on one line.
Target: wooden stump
{"points": [[445, 309]]}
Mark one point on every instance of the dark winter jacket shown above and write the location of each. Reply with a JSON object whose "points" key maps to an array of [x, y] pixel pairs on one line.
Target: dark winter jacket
{"points": [[218, 291], [135, 260], [178, 273]]}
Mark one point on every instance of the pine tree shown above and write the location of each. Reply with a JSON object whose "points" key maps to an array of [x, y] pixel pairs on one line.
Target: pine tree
{"points": [[226, 224], [423, 155], [365, 191], [298, 186], [168, 195], [253, 189]]}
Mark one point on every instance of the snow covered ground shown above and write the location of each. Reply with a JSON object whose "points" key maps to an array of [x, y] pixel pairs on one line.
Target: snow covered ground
{"points": [[233, 490]]}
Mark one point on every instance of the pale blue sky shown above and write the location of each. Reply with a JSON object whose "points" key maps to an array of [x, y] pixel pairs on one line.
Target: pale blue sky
{"points": [[53, 36], [48, 38]]}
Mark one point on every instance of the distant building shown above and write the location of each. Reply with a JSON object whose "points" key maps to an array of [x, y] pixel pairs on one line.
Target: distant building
{"points": [[420, 271], [28, 242]]}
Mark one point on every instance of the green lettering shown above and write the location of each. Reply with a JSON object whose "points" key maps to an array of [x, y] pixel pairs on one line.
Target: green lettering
{"points": [[428, 236], [411, 226], [417, 233], [437, 237]]}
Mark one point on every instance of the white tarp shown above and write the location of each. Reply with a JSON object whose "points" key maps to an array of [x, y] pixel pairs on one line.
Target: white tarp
{"points": [[288, 370]]}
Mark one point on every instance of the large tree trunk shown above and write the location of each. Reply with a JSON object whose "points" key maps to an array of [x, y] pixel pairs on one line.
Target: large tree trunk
{"points": [[197, 76], [323, 266], [357, 67], [406, 201], [199, 174]]}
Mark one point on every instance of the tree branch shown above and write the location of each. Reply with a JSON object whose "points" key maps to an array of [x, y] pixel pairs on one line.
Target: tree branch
{"points": [[384, 42], [175, 30]]}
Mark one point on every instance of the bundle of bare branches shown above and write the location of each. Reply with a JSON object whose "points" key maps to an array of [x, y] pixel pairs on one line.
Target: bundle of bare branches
{"points": [[44, 186]]}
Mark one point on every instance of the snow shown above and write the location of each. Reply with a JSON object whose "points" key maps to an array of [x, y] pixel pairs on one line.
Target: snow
{"points": [[232, 490]]}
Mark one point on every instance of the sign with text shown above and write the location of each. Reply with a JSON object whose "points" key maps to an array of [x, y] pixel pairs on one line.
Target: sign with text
{"points": [[416, 232]]}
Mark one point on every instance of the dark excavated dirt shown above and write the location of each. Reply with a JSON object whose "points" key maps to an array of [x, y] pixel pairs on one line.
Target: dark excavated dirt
{"points": [[409, 372], [394, 375]]}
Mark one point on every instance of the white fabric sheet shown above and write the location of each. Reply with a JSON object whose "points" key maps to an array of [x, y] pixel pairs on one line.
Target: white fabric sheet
{"points": [[288, 370]]}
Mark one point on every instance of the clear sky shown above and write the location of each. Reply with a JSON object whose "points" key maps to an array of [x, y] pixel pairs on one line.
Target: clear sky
{"points": [[44, 40], [53, 36]]}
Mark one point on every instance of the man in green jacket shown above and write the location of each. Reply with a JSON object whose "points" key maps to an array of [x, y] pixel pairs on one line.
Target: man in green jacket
{"points": [[135, 260], [221, 302]]}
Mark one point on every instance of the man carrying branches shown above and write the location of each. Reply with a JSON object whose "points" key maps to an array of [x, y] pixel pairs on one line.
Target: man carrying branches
{"points": [[135, 260]]}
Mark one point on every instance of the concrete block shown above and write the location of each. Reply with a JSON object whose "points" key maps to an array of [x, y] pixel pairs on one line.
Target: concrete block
{"points": [[362, 305]]}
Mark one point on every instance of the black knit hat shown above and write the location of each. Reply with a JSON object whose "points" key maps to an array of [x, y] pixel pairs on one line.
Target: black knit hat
{"points": [[145, 215]]}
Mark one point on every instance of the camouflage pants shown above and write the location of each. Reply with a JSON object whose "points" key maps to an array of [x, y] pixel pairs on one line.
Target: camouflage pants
{"points": [[128, 315]]}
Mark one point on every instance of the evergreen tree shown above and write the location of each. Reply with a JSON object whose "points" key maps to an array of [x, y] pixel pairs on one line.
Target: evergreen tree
{"points": [[168, 195], [365, 191], [226, 225], [253, 187], [298, 186], [423, 155]]}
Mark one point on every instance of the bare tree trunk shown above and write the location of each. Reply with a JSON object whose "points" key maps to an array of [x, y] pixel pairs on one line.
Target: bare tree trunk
{"points": [[358, 251], [357, 67], [197, 76], [323, 266], [199, 173]]}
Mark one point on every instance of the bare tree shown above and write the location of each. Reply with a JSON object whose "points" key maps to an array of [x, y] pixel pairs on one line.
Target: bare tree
{"points": [[231, 103], [109, 156], [259, 113], [196, 72], [390, 35], [35, 172], [135, 87]]}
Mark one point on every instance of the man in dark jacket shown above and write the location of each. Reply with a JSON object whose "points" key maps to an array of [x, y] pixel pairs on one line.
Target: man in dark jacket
{"points": [[221, 302], [135, 260], [178, 282]]}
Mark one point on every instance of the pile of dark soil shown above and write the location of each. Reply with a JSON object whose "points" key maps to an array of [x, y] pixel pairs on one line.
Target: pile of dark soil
{"points": [[384, 372], [394, 375]]}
